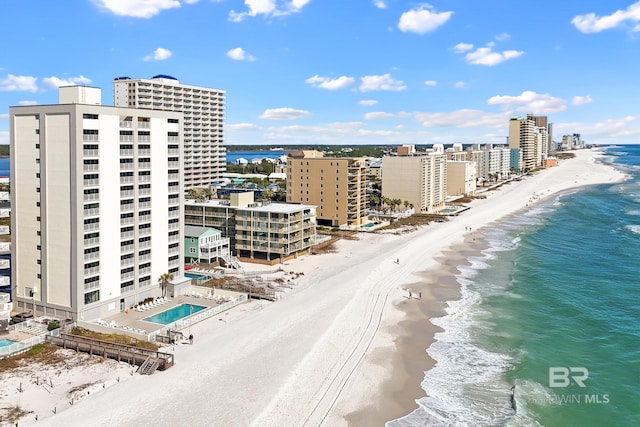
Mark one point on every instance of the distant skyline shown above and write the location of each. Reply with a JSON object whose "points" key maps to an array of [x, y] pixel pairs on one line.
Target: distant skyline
{"points": [[353, 72]]}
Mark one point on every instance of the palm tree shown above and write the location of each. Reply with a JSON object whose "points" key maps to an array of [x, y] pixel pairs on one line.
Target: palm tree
{"points": [[164, 279]]}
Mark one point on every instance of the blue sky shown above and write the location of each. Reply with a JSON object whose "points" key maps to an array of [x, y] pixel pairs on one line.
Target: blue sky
{"points": [[345, 72]]}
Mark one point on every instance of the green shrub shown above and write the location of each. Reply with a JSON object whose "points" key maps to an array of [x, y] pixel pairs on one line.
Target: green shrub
{"points": [[53, 325]]}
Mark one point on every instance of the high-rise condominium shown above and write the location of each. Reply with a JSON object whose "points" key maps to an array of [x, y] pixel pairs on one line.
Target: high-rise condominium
{"points": [[203, 151], [96, 197]]}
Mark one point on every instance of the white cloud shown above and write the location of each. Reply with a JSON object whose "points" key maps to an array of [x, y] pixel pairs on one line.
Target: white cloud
{"points": [[383, 82], [55, 82], [268, 8], [341, 82], [137, 8], [241, 126], [459, 85], [465, 118], [239, 54], [610, 130], [380, 4], [4, 116], [422, 19], [4, 137], [160, 54], [581, 100], [368, 102], [27, 102], [485, 55], [18, 83], [503, 36], [462, 47], [530, 102], [430, 82], [284, 113], [591, 23], [377, 115]]}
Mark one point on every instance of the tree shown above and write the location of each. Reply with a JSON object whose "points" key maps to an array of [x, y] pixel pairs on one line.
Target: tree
{"points": [[164, 279]]}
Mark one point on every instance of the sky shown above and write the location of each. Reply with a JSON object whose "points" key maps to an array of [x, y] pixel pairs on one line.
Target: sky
{"points": [[345, 72]]}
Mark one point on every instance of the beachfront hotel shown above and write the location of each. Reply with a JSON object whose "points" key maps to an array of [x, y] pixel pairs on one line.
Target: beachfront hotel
{"points": [[336, 185], [417, 177], [97, 200], [258, 231], [204, 156], [532, 140]]}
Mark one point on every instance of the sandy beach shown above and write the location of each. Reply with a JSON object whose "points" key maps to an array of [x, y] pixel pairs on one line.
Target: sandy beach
{"points": [[347, 346]]}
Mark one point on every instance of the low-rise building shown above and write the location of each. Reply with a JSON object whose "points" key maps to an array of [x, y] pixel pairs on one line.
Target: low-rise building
{"points": [[203, 244], [257, 231]]}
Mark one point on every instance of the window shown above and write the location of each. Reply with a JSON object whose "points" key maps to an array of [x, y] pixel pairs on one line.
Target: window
{"points": [[192, 250], [90, 116], [92, 296], [173, 121]]}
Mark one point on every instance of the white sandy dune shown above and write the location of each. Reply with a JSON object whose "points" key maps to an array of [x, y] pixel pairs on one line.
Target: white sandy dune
{"points": [[306, 359]]}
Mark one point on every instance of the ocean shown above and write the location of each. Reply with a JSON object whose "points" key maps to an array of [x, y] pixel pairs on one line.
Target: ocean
{"points": [[233, 156], [5, 166], [552, 307]]}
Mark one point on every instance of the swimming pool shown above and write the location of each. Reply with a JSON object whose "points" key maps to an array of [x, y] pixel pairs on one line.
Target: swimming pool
{"points": [[197, 276], [6, 343], [175, 313]]}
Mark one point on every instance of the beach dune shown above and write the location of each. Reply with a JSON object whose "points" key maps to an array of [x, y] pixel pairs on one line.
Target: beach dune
{"points": [[335, 351]]}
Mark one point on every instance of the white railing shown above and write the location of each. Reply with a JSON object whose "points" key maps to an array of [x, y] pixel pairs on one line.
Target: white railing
{"points": [[5, 263], [4, 229], [5, 246], [5, 280], [198, 317]]}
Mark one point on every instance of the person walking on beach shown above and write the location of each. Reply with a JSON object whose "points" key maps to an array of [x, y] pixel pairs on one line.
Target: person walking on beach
{"points": [[191, 339]]}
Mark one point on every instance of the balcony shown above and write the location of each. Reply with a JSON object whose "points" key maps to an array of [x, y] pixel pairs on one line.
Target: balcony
{"points": [[91, 167], [92, 270], [126, 193], [92, 241], [126, 235], [146, 270], [144, 125], [90, 197], [91, 256], [126, 152], [92, 226], [92, 212], [126, 249], [90, 138], [91, 182], [144, 232], [127, 221], [126, 262], [146, 257], [127, 207], [126, 180], [144, 218], [90, 153], [144, 178], [126, 124], [126, 138], [144, 244], [126, 276]]}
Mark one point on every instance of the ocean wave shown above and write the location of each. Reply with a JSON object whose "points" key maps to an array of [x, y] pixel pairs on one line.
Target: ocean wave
{"points": [[634, 228]]}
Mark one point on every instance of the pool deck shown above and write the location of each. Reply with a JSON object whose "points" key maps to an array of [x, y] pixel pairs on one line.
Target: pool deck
{"points": [[135, 319]]}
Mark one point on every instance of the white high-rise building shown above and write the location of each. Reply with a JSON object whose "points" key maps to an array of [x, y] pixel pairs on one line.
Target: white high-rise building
{"points": [[97, 202], [203, 152]]}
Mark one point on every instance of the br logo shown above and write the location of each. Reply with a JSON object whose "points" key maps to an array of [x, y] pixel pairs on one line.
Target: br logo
{"points": [[559, 376]]}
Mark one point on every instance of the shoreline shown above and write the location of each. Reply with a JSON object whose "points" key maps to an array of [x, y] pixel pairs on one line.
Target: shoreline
{"points": [[345, 340], [413, 356]]}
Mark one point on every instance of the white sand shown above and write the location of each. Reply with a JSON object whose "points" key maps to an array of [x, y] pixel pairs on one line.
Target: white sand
{"points": [[312, 357]]}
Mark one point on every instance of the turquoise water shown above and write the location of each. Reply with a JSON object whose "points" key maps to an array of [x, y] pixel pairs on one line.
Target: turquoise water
{"points": [[558, 288], [175, 313], [6, 343], [196, 276]]}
